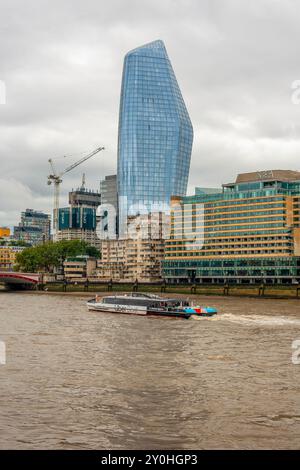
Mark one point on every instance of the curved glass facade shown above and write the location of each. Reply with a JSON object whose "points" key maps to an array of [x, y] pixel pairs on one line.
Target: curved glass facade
{"points": [[155, 133]]}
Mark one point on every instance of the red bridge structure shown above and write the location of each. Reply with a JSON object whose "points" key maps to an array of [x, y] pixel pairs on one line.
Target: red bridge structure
{"points": [[19, 280]]}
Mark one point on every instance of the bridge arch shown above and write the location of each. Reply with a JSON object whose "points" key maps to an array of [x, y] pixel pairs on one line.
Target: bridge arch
{"points": [[17, 279]]}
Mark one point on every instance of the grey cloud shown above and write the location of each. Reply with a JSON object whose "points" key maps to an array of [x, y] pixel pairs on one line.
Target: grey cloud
{"points": [[62, 63]]}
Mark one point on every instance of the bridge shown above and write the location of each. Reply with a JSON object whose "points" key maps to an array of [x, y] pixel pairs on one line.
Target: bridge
{"points": [[16, 279]]}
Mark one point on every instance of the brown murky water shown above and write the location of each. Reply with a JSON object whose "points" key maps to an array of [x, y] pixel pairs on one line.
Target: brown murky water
{"points": [[76, 380]]}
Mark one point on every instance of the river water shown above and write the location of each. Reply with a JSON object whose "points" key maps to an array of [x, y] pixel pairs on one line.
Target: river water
{"points": [[84, 380]]}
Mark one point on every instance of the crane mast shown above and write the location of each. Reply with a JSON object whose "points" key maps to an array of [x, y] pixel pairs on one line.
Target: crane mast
{"points": [[56, 179]]}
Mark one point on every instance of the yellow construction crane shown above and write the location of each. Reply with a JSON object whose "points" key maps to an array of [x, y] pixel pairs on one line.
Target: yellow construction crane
{"points": [[56, 179]]}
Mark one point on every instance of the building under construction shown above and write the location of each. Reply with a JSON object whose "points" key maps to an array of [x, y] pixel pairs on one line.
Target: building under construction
{"points": [[79, 221]]}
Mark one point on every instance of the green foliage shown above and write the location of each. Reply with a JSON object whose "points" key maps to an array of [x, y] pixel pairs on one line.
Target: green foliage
{"points": [[18, 243], [51, 255], [92, 251]]}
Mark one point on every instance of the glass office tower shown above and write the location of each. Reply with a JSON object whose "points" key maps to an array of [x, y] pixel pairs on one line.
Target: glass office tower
{"points": [[155, 133]]}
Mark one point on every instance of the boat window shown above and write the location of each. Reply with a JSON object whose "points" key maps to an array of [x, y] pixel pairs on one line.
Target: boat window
{"points": [[127, 301]]}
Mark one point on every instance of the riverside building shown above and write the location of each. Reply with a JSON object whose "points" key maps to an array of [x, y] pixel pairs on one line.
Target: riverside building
{"points": [[248, 233], [8, 254], [139, 256], [131, 260], [79, 267]]}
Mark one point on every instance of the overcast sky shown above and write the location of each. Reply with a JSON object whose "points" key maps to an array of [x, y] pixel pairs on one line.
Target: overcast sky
{"points": [[61, 61]]}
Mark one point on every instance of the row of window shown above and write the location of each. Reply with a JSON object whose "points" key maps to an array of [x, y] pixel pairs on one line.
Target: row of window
{"points": [[244, 262], [219, 200], [211, 231], [266, 239], [228, 273], [229, 253], [187, 219], [195, 246]]}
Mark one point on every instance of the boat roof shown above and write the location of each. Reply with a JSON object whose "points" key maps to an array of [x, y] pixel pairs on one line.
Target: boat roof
{"points": [[142, 295]]}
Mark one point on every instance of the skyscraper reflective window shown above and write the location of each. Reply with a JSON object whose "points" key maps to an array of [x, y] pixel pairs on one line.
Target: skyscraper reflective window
{"points": [[155, 133]]}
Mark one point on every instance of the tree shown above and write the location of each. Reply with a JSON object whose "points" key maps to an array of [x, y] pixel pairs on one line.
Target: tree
{"points": [[27, 260], [70, 248], [51, 255], [92, 251]]}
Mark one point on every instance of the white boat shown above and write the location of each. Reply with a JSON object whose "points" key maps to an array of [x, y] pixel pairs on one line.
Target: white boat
{"points": [[147, 304]]}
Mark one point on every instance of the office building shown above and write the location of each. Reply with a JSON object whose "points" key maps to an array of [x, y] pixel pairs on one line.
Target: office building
{"points": [[249, 233], [108, 211], [108, 191], [34, 227], [78, 221], [155, 134]]}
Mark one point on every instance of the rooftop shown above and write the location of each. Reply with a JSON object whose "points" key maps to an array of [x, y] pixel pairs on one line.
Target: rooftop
{"points": [[278, 175], [253, 184], [152, 49]]}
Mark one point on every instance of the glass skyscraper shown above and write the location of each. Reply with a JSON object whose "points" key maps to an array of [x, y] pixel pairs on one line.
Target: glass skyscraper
{"points": [[155, 133]]}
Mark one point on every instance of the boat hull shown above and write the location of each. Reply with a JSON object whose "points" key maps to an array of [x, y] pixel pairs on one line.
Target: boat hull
{"points": [[130, 310], [165, 313]]}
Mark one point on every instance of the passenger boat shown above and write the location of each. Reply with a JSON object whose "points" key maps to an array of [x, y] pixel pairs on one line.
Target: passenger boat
{"points": [[148, 304]]}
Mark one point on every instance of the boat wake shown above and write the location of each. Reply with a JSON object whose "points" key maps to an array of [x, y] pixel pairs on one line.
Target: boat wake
{"points": [[202, 318], [256, 320]]}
